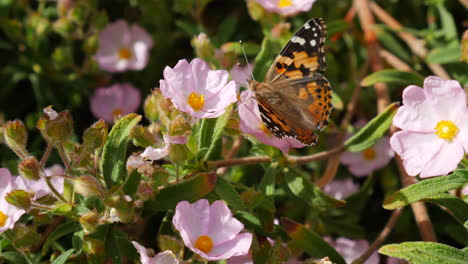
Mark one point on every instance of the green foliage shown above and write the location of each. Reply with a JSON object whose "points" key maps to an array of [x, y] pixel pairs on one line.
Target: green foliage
{"points": [[425, 253]]}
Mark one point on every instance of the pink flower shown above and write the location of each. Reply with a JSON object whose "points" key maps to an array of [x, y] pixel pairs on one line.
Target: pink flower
{"points": [[341, 189], [115, 100], [9, 213], [211, 231], [166, 257], [196, 89], [123, 47], [241, 75], [373, 158], [352, 249], [251, 123], [286, 7], [40, 187], [434, 124], [465, 190], [244, 259]]}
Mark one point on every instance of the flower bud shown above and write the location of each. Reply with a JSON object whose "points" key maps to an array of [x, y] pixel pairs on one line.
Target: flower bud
{"points": [[89, 221], [157, 108], [63, 6], [202, 46], [57, 128], [166, 242], [178, 153], [145, 191], [95, 136], [179, 127], [20, 198], [88, 186], [15, 135], [125, 211], [256, 11], [29, 168], [142, 136], [93, 246], [62, 57], [281, 30], [64, 26]]}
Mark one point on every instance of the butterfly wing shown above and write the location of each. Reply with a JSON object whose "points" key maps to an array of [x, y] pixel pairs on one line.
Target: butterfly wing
{"points": [[302, 55], [297, 108]]}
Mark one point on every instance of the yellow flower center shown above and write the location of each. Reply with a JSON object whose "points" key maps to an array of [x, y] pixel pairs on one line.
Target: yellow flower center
{"points": [[196, 101], [124, 53], [3, 219], [369, 154], [446, 129], [204, 243], [265, 129], [284, 3]]}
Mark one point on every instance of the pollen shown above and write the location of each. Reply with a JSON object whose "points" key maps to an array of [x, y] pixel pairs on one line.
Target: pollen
{"points": [[204, 243], [446, 129], [284, 3], [124, 53], [196, 101], [369, 154], [3, 219]]}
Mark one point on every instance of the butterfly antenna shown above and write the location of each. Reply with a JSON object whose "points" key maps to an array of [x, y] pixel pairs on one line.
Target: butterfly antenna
{"points": [[246, 60]]}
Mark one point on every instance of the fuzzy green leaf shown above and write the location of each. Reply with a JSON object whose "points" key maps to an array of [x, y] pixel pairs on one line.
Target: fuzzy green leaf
{"points": [[228, 193], [267, 184], [425, 253], [60, 231], [373, 131], [445, 55], [114, 152], [455, 205], [265, 57], [425, 189], [63, 257], [213, 133], [393, 76]]}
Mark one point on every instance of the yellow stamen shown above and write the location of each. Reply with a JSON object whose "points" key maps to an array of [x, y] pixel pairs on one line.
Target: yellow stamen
{"points": [[3, 219], [265, 129], [284, 3], [369, 154], [125, 53], [196, 101], [446, 130], [204, 243]]}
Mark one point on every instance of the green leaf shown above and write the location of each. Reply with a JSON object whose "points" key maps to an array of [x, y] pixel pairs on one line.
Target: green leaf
{"points": [[190, 190], [114, 152], [393, 45], [250, 221], [449, 27], [60, 231], [267, 184], [63, 257], [110, 242], [455, 205], [425, 253], [445, 55], [212, 133], [14, 257], [336, 26], [228, 193], [226, 29], [426, 188], [308, 192], [265, 57], [373, 131], [393, 76], [311, 242], [131, 183], [336, 101]]}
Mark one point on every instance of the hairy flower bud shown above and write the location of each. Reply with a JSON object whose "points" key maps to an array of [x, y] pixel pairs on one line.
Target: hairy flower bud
{"points": [[142, 136], [157, 108], [20, 198], [89, 221], [95, 136], [88, 186], [202, 46], [56, 127], [29, 168], [25, 236], [15, 135]]}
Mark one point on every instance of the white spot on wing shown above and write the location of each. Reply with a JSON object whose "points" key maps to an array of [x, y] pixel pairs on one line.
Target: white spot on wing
{"points": [[299, 40], [306, 25], [313, 43]]}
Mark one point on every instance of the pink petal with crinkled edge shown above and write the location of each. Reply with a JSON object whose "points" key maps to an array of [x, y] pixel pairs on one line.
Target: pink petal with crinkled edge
{"points": [[446, 97], [192, 220], [222, 226], [416, 114], [240, 245], [416, 149], [445, 161]]}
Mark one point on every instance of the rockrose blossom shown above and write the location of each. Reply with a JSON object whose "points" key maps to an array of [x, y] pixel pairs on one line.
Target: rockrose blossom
{"points": [[166, 257], [211, 231], [196, 89], [9, 213], [123, 47], [363, 163], [241, 75], [341, 189], [350, 250], [434, 124], [40, 187], [251, 123], [286, 7], [115, 100]]}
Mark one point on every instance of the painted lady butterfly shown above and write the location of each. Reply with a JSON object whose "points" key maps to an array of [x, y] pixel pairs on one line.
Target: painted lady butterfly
{"points": [[295, 98]]}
